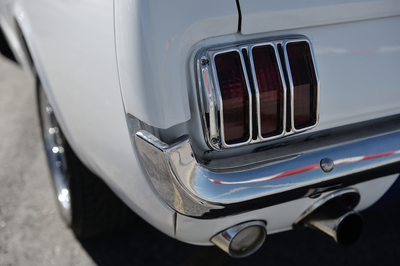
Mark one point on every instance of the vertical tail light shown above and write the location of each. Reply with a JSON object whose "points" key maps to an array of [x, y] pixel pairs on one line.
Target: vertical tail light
{"points": [[270, 89], [305, 85], [235, 98]]}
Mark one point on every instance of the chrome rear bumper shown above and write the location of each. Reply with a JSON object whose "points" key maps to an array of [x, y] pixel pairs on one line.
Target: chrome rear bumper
{"points": [[193, 189]]}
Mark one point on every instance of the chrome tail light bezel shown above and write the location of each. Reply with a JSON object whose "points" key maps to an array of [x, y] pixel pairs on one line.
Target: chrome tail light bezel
{"points": [[210, 99]]}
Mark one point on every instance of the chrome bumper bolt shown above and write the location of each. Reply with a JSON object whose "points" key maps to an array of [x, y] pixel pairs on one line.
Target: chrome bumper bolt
{"points": [[327, 165]]}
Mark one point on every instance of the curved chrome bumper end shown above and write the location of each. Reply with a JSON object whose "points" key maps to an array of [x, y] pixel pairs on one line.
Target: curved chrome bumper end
{"points": [[192, 189]]}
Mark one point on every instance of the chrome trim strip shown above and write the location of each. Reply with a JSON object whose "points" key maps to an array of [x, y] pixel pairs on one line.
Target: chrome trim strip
{"points": [[207, 104], [54, 143], [193, 190], [290, 79], [219, 98], [207, 80]]}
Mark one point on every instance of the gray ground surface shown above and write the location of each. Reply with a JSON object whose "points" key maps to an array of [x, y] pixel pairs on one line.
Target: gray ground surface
{"points": [[32, 233]]}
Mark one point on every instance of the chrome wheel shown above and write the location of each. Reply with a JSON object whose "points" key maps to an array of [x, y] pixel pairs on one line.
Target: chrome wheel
{"points": [[54, 144]]}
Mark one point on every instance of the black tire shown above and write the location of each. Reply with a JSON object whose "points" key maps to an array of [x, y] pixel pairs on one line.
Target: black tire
{"points": [[85, 202], [96, 210]]}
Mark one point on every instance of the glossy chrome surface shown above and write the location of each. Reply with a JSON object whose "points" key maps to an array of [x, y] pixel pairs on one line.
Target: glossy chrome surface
{"points": [[327, 165], [345, 229], [290, 80], [210, 95], [192, 189], [241, 240], [348, 195], [54, 144], [165, 164], [210, 102], [334, 216]]}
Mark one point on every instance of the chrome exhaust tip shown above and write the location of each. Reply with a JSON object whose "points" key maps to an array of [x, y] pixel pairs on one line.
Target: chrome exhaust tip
{"points": [[345, 230], [334, 216], [241, 240]]}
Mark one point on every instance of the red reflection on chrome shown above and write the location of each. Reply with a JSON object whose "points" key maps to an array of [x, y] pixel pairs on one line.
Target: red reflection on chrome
{"points": [[307, 168], [270, 89], [305, 84], [235, 98]]}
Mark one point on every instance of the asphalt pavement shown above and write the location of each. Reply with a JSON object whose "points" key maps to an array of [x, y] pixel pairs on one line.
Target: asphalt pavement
{"points": [[32, 233]]}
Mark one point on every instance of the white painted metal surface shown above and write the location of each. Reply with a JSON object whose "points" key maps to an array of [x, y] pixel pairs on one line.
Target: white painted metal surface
{"points": [[269, 15], [357, 63], [153, 40], [279, 217]]}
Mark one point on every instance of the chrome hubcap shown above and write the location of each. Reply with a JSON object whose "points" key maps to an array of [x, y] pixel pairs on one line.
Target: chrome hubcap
{"points": [[54, 144]]}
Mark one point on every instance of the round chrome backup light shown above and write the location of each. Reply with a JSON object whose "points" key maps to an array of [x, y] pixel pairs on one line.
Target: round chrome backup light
{"points": [[241, 240]]}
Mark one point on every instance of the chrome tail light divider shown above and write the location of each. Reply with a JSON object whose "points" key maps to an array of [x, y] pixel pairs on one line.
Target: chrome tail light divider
{"points": [[211, 102]]}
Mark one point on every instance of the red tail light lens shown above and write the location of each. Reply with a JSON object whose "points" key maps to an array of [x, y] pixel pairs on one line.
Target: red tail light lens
{"points": [[235, 97], [270, 89], [305, 84]]}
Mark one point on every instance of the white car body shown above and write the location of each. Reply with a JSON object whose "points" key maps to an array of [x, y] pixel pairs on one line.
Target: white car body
{"points": [[99, 61]]}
